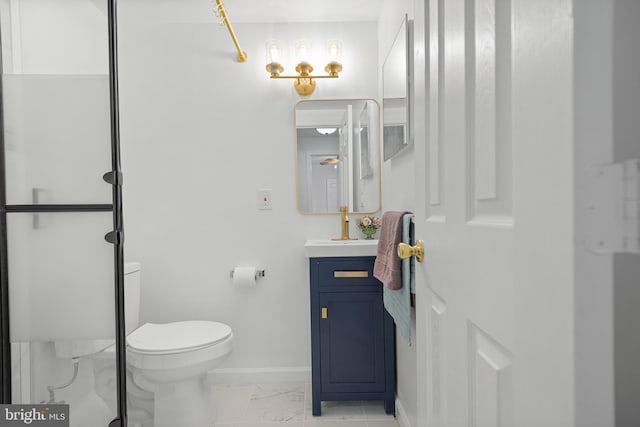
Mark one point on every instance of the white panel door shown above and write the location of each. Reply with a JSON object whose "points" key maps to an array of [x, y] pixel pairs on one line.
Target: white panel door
{"points": [[494, 206]]}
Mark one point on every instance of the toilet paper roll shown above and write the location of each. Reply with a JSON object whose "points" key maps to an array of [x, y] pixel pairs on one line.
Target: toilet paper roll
{"points": [[244, 277]]}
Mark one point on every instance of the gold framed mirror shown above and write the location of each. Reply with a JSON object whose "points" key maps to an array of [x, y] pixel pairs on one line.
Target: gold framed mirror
{"points": [[337, 156]]}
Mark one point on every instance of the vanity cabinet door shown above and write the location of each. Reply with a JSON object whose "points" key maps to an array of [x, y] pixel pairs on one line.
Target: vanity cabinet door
{"points": [[352, 342]]}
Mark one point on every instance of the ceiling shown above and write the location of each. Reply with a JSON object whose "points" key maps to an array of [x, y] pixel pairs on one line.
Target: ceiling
{"points": [[258, 10], [303, 10]]}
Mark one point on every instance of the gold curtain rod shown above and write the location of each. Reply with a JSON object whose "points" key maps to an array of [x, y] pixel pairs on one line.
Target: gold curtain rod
{"points": [[242, 56]]}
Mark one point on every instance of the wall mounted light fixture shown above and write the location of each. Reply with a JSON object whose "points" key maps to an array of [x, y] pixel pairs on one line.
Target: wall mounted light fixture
{"points": [[304, 82]]}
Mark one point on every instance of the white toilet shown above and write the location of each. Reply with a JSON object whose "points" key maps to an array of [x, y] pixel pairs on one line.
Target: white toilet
{"points": [[170, 360]]}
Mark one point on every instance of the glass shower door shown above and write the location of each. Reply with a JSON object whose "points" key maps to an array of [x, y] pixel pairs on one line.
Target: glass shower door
{"points": [[63, 279]]}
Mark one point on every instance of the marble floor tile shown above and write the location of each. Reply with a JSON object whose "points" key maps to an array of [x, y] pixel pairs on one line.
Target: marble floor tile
{"points": [[388, 423], [231, 401], [263, 424], [335, 423], [342, 411], [276, 402], [289, 405], [374, 410]]}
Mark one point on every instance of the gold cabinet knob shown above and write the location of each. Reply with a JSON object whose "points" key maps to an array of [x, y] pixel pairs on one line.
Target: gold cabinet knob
{"points": [[406, 251]]}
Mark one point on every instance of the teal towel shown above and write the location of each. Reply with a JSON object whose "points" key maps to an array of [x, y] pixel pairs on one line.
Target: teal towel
{"points": [[398, 302]]}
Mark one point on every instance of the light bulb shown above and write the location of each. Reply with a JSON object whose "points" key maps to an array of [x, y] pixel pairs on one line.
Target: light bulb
{"points": [[303, 50], [273, 51], [334, 50]]}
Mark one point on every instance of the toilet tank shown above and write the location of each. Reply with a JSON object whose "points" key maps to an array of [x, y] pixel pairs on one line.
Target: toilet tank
{"points": [[78, 348], [131, 296]]}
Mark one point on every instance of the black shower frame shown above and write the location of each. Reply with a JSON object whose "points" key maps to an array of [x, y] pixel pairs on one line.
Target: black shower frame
{"points": [[116, 237]]}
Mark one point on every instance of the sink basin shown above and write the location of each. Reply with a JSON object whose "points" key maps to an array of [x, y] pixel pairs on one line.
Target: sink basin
{"points": [[327, 248]]}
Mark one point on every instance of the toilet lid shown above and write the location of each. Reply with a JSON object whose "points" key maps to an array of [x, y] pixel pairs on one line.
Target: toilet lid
{"points": [[177, 336]]}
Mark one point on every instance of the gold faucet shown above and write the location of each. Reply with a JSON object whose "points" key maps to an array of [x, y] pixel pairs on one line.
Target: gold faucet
{"points": [[344, 224]]}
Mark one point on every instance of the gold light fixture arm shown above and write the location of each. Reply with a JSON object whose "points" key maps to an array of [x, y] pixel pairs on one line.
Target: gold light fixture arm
{"points": [[242, 56], [304, 83], [304, 77]]}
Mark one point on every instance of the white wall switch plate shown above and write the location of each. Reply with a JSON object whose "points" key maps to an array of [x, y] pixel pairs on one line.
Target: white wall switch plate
{"points": [[264, 199]]}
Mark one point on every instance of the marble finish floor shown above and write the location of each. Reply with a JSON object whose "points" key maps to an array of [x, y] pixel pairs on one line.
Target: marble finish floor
{"points": [[289, 405]]}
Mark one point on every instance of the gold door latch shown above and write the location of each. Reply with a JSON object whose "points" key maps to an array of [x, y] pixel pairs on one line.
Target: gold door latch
{"points": [[323, 312], [406, 251]]}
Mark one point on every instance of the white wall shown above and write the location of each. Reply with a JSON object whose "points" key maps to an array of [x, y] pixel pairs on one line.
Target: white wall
{"points": [[626, 108], [593, 104], [608, 93], [398, 194], [201, 133]]}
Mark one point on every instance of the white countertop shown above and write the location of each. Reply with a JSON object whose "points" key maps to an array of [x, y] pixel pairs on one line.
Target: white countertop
{"points": [[328, 248]]}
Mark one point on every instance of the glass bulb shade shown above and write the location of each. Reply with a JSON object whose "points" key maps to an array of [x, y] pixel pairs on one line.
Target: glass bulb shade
{"points": [[303, 50], [334, 50], [273, 51]]}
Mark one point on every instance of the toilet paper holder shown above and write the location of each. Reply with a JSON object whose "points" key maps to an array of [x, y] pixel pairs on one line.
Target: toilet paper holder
{"points": [[259, 273]]}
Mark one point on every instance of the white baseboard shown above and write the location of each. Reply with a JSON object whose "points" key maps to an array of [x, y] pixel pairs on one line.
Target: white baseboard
{"points": [[294, 374], [401, 415]]}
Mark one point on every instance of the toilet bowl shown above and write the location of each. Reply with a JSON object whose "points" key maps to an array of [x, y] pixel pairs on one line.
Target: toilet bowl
{"points": [[172, 360], [167, 364]]}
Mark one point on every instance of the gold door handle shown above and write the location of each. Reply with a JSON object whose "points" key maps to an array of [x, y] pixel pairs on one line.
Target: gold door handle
{"points": [[406, 251], [323, 313]]}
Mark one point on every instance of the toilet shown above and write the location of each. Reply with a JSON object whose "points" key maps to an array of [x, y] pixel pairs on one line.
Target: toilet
{"points": [[169, 360], [172, 360]]}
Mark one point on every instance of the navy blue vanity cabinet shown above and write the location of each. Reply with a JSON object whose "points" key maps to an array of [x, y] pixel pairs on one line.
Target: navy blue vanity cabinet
{"points": [[352, 335]]}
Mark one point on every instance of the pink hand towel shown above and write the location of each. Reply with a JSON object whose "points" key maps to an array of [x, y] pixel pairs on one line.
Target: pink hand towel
{"points": [[388, 265]]}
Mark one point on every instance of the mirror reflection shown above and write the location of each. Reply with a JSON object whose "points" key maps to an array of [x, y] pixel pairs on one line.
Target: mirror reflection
{"points": [[338, 145], [396, 93]]}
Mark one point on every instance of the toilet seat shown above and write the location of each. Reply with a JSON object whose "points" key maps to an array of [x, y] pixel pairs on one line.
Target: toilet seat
{"points": [[178, 345], [177, 337]]}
